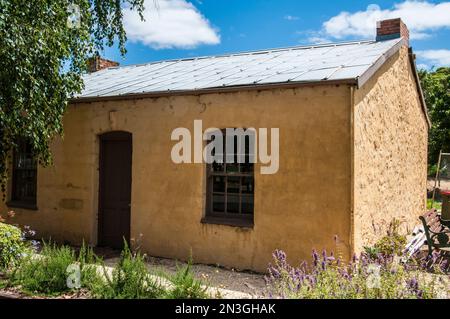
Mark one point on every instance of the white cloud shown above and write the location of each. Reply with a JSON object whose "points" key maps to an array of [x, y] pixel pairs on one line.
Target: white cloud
{"points": [[290, 18], [172, 24], [317, 40], [423, 66], [421, 17], [435, 57]]}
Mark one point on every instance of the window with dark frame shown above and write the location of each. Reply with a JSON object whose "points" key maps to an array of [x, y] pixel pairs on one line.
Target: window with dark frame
{"points": [[24, 176], [230, 187]]}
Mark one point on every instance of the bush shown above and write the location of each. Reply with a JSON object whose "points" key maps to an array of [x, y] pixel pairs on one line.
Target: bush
{"points": [[88, 263], [12, 246], [392, 244], [129, 279], [363, 278], [437, 204], [47, 273], [185, 286], [432, 170]]}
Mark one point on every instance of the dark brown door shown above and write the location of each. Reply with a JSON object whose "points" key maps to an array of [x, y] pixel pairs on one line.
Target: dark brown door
{"points": [[115, 189]]}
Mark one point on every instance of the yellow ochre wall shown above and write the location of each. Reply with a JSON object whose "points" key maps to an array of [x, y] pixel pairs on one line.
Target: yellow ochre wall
{"points": [[390, 147], [301, 207]]}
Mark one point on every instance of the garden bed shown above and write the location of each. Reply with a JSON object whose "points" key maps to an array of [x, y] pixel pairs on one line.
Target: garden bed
{"points": [[106, 274]]}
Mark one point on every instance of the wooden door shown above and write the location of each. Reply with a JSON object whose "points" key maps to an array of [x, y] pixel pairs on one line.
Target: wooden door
{"points": [[114, 189]]}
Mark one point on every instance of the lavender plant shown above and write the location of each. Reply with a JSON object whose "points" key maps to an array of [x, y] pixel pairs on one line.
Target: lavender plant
{"points": [[364, 277]]}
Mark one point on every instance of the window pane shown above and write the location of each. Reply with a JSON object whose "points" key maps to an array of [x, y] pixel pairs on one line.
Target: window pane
{"points": [[218, 167], [233, 204], [232, 193], [233, 185], [26, 185], [247, 168], [218, 203], [24, 161], [218, 184], [247, 185], [24, 175], [247, 204], [233, 168]]}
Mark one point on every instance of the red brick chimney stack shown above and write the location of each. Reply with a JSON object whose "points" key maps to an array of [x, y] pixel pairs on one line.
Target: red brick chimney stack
{"points": [[392, 29], [97, 63]]}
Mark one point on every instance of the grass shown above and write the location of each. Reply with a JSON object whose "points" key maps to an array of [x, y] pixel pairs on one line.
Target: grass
{"points": [[437, 204]]}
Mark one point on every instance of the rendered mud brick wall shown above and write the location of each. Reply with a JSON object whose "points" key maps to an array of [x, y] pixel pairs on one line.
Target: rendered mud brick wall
{"points": [[390, 164], [301, 207]]}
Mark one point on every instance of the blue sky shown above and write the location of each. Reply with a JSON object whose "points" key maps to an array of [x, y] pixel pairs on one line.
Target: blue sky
{"points": [[182, 28]]}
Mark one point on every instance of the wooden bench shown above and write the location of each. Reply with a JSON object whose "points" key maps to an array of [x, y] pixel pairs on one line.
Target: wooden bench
{"points": [[436, 232]]}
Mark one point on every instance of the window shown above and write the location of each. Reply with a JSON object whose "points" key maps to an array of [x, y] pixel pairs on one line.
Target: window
{"points": [[230, 185], [24, 177]]}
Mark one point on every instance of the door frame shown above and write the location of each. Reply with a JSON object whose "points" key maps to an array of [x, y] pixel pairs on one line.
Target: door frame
{"points": [[110, 136]]}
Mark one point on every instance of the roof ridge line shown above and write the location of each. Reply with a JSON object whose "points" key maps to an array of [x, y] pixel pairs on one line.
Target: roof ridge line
{"points": [[298, 47]]}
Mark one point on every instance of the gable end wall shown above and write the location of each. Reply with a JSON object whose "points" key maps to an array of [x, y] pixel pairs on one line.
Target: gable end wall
{"points": [[390, 152]]}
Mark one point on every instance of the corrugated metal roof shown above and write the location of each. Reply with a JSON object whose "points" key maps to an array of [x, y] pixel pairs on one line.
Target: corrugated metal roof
{"points": [[342, 61]]}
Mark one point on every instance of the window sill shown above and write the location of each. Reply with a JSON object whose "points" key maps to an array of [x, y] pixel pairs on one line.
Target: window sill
{"points": [[28, 206], [242, 223]]}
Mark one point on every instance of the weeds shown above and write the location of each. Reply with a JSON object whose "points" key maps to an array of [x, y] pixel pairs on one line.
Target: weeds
{"points": [[185, 286], [130, 279]]}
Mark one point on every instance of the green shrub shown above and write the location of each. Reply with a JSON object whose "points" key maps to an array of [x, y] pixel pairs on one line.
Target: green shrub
{"points": [[437, 204], [12, 246], [129, 279], [185, 286], [89, 264], [432, 170], [45, 273], [393, 243]]}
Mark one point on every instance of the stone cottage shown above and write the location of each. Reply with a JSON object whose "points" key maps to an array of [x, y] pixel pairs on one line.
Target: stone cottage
{"points": [[353, 132]]}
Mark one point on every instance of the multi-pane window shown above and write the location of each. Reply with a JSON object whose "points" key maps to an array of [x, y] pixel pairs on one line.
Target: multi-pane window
{"points": [[24, 176], [231, 183]]}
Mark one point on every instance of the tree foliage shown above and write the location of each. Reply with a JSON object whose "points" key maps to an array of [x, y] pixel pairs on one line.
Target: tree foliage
{"points": [[42, 59], [436, 87]]}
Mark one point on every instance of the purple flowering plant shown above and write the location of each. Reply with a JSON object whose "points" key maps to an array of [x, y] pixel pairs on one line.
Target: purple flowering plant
{"points": [[367, 276]]}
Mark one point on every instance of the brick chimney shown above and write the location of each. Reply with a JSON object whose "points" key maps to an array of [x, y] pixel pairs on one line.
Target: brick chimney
{"points": [[97, 63], [392, 29]]}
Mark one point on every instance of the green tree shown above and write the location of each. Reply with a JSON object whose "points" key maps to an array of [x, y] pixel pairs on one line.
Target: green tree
{"points": [[436, 87], [44, 46]]}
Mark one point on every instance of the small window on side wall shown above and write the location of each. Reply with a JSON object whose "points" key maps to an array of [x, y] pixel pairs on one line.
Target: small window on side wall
{"points": [[24, 177], [230, 180]]}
